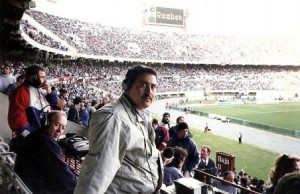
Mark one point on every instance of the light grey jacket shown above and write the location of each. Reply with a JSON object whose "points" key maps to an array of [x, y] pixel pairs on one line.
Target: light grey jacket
{"points": [[122, 157]]}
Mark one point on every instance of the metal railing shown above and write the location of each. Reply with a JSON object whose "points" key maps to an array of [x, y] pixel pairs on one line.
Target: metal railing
{"points": [[204, 177], [10, 182]]}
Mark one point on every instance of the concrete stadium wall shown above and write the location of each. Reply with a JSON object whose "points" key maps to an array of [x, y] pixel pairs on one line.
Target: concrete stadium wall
{"points": [[5, 131]]}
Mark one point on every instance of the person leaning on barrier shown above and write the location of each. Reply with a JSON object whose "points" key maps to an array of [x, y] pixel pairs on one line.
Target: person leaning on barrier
{"points": [[123, 157], [39, 163], [207, 164], [228, 176], [183, 140], [173, 170]]}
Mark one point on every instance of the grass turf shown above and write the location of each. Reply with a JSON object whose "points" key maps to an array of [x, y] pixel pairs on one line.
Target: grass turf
{"points": [[284, 115], [255, 161]]}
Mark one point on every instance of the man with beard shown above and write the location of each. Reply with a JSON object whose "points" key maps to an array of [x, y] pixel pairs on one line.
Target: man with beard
{"points": [[123, 157], [27, 103], [165, 122]]}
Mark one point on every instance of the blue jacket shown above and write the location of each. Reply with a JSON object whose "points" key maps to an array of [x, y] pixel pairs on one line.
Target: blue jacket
{"points": [[171, 174], [40, 166], [193, 157], [84, 117]]}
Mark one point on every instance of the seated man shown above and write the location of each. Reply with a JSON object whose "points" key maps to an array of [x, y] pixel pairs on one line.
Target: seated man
{"points": [[173, 171], [39, 163], [228, 176]]}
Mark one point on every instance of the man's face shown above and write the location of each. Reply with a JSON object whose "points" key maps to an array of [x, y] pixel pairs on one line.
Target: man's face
{"points": [[154, 126], [143, 90], [181, 120], [81, 106], [297, 166], [204, 153], [105, 100], [7, 70], [57, 126], [166, 118], [42, 78], [230, 178], [182, 134]]}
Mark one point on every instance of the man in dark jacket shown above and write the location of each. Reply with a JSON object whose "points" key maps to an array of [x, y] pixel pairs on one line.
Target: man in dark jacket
{"points": [[39, 163], [183, 140], [73, 114], [207, 164], [161, 135]]}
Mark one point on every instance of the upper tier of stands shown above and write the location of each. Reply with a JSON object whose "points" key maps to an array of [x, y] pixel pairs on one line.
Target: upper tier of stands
{"points": [[101, 41]]}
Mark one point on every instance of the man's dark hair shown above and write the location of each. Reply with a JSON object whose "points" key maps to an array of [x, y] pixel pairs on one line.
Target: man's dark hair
{"points": [[9, 66], [166, 113], [178, 118], [63, 91], [155, 121], [32, 75], [182, 126], [133, 73], [94, 102], [33, 71], [77, 100], [20, 77], [289, 184], [168, 153], [179, 155]]}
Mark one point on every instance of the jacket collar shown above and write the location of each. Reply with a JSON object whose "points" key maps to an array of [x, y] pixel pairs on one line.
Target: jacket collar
{"points": [[129, 107]]}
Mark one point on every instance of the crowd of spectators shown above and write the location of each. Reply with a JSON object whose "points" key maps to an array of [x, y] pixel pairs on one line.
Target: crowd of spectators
{"points": [[175, 78], [99, 40], [97, 78], [96, 39], [41, 37]]}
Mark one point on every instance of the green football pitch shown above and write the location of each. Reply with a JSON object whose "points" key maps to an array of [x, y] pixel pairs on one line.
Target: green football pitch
{"points": [[283, 115]]}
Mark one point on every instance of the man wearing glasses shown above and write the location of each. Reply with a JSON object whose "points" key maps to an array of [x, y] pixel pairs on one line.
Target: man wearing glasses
{"points": [[122, 156]]}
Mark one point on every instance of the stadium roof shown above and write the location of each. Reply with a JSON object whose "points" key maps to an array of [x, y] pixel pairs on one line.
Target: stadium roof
{"points": [[11, 12]]}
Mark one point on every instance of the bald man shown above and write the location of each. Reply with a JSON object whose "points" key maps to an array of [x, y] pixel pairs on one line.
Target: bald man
{"points": [[39, 163]]}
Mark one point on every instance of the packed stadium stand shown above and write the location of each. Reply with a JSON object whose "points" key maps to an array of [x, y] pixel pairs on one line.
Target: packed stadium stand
{"points": [[96, 40]]}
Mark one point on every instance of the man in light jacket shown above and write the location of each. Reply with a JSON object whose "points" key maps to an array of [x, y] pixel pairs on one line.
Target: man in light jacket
{"points": [[122, 156]]}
